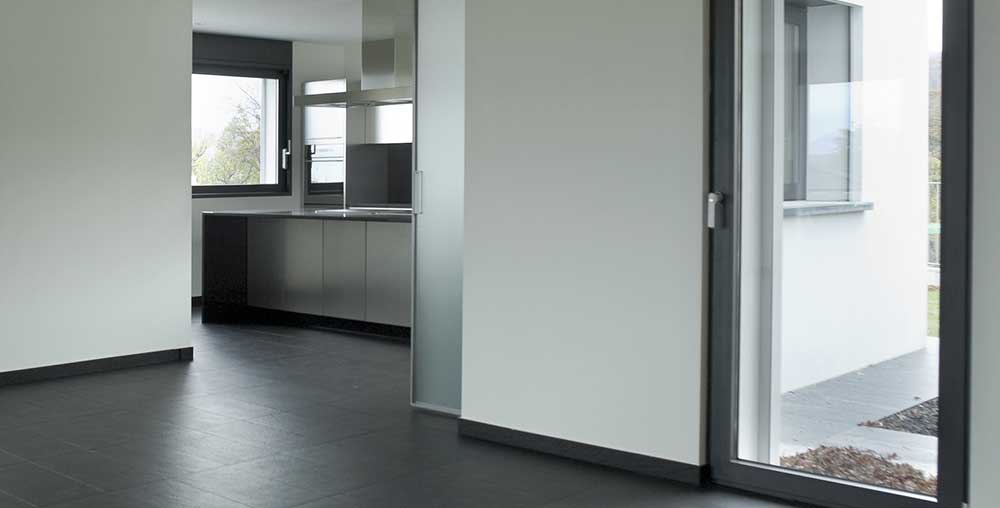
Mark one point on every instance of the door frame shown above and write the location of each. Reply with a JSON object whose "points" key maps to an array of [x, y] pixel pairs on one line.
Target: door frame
{"points": [[724, 259]]}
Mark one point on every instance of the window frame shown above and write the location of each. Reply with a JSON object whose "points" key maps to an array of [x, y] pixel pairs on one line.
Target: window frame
{"points": [[220, 55], [798, 189]]}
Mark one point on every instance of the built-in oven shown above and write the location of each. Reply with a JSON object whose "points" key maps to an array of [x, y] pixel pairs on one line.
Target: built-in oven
{"points": [[324, 132], [326, 168]]}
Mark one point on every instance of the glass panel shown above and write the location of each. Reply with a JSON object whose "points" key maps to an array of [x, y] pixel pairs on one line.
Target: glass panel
{"points": [[795, 161], [438, 230], [840, 234], [234, 130]]}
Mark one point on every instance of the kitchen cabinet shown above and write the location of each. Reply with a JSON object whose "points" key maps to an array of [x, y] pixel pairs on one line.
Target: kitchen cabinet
{"points": [[344, 269], [285, 264], [388, 273], [325, 265]]}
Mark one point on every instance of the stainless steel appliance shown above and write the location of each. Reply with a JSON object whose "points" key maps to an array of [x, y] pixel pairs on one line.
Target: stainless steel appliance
{"points": [[325, 137]]}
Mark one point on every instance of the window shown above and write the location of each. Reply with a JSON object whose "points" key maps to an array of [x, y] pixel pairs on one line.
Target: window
{"points": [[239, 117], [820, 63]]}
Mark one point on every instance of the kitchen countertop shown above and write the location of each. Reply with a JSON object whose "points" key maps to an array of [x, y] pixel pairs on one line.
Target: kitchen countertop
{"points": [[321, 214]]}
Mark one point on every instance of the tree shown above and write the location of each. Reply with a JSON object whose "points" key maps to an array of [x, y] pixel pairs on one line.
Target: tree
{"points": [[934, 130], [934, 119], [234, 158]]}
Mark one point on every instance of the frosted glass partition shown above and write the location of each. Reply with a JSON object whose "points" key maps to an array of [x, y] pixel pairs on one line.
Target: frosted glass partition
{"points": [[440, 162]]}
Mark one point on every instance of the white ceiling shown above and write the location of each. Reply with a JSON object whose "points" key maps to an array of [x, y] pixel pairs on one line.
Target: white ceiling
{"points": [[325, 21]]}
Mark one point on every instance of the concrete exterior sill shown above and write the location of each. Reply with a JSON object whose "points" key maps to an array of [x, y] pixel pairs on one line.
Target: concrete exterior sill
{"points": [[813, 208]]}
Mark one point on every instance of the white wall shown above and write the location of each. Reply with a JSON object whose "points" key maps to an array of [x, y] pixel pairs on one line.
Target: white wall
{"points": [[585, 169], [94, 204], [985, 460], [854, 287], [310, 62]]}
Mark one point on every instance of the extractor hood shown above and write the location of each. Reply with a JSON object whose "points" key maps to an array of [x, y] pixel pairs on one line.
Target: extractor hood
{"points": [[386, 59], [377, 97]]}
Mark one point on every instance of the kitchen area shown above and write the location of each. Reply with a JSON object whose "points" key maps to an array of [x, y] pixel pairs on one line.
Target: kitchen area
{"points": [[341, 254], [347, 253]]}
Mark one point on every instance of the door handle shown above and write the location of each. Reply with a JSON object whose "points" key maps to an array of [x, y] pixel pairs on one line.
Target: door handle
{"points": [[418, 192], [713, 212]]}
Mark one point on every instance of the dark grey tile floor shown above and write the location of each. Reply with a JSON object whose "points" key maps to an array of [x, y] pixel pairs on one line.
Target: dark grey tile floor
{"points": [[272, 417]]}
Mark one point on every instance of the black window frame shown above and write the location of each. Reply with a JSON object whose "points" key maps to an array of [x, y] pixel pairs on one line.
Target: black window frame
{"points": [[223, 55]]}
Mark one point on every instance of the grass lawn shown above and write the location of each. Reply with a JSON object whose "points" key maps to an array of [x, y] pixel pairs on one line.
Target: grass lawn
{"points": [[933, 311]]}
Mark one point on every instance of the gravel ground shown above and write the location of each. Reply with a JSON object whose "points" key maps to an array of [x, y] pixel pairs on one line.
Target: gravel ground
{"points": [[863, 466], [920, 419]]}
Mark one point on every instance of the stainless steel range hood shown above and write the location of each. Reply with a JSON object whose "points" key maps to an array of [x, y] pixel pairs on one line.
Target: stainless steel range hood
{"points": [[386, 54], [379, 97]]}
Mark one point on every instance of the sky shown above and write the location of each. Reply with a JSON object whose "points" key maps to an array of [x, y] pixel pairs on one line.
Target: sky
{"points": [[935, 24], [214, 99]]}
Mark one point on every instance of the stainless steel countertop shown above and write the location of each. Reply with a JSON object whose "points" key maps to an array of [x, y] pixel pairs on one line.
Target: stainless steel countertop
{"points": [[322, 214]]}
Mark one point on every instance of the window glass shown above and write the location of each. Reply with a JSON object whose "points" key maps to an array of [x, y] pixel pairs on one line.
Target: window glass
{"points": [[821, 58], [234, 130]]}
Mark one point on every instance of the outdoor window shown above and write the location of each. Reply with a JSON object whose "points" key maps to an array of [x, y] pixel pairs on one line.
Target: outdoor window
{"points": [[239, 123], [820, 63]]}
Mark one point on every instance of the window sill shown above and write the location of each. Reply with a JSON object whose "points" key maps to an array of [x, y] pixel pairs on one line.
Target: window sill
{"points": [[813, 208]]}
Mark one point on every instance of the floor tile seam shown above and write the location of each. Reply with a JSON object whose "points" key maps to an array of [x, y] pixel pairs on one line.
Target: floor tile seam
{"points": [[267, 477], [25, 501], [199, 489], [70, 477], [27, 459]]}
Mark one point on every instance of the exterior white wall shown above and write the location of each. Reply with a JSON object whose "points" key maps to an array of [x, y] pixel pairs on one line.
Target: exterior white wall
{"points": [[854, 286], [584, 244], [310, 62], [94, 204], [985, 461]]}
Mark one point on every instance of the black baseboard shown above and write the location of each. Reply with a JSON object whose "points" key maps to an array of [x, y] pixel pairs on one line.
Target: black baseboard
{"points": [[642, 464], [229, 313], [50, 372], [196, 301]]}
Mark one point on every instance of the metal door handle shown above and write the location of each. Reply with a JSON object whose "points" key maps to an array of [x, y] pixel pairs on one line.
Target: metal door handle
{"points": [[418, 192], [713, 203]]}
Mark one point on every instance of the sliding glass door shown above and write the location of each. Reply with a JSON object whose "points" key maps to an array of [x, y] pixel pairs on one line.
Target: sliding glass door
{"points": [[839, 275]]}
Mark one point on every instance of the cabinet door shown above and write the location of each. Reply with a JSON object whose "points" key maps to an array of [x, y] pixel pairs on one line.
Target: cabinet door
{"points": [[265, 246], [388, 270], [344, 269], [285, 264]]}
